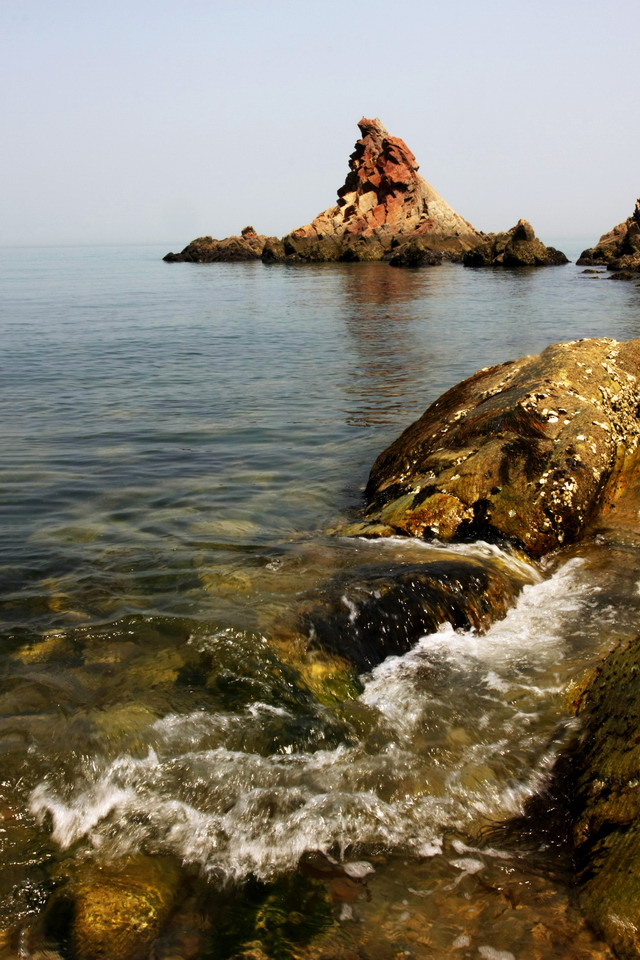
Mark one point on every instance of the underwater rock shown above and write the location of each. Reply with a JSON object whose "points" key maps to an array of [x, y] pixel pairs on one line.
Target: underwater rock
{"points": [[248, 246], [518, 247], [619, 249], [522, 452], [120, 908], [376, 613], [604, 781]]}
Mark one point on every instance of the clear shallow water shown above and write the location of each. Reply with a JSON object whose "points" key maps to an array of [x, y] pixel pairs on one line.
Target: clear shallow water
{"points": [[177, 441]]}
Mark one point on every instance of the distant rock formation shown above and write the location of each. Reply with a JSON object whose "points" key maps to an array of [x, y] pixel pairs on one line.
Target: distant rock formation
{"points": [[248, 246], [385, 210], [620, 248], [519, 247], [383, 201]]}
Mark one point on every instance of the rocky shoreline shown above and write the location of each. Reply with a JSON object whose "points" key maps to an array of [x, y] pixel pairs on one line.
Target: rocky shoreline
{"points": [[385, 211], [540, 453]]}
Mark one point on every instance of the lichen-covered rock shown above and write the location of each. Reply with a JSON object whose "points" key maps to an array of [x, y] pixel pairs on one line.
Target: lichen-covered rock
{"points": [[619, 249], [518, 247], [383, 197], [120, 908], [248, 246], [521, 452], [605, 791]]}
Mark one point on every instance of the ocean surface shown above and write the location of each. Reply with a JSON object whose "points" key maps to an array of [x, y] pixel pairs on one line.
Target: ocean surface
{"points": [[178, 441]]}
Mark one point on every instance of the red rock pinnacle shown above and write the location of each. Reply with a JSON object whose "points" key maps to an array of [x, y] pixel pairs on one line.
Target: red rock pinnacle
{"points": [[385, 195]]}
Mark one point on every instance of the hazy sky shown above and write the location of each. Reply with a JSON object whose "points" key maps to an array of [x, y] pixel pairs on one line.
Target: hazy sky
{"points": [[162, 121]]}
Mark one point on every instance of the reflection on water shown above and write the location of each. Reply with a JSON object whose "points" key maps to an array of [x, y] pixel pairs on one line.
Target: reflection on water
{"points": [[176, 442]]}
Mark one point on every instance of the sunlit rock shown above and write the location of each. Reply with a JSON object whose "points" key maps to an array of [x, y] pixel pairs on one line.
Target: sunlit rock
{"points": [[382, 202], [120, 908], [526, 452], [248, 246], [619, 249]]}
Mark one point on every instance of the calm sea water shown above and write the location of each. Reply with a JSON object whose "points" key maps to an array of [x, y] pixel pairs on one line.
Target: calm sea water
{"points": [[176, 442]]}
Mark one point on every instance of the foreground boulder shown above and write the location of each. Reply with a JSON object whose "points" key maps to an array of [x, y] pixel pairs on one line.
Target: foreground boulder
{"points": [[530, 451], [600, 775], [382, 201], [620, 248], [248, 246], [519, 247]]}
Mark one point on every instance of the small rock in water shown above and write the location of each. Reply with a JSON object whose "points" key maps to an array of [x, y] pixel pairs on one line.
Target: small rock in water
{"points": [[489, 953], [358, 869], [468, 864], [460, 942], [431, 848], [346, 912]]}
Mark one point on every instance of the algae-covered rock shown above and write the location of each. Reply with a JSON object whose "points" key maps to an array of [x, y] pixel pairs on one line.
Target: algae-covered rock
{"points": [[522, 451], [518, 247], [120, 908], [248, 246], [415, 253], [605, 785]]}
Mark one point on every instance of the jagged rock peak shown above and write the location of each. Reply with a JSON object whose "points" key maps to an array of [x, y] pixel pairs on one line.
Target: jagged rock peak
{"points": [[384, 195]]}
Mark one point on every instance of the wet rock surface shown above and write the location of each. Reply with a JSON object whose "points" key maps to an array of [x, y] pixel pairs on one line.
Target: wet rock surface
{"points": [[619, 249], [518, 247], [248, 246], [522, 452], [376, 614]]}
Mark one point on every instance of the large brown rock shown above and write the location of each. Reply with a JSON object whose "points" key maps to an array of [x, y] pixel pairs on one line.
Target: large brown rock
{"points": [[383, 199], [530, 451], [619, 249], [248, 246], [518, 247], [604, 786]]}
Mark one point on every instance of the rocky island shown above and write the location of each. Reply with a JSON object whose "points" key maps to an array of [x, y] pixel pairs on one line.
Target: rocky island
{"points": [[385, 211], [619, 249]]}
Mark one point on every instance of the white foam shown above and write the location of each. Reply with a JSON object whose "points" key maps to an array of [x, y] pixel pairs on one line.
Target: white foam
{"points": [[455, 734]]}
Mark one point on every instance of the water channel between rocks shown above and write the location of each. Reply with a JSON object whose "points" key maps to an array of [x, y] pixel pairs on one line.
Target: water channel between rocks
{"points": [[176, 445]]}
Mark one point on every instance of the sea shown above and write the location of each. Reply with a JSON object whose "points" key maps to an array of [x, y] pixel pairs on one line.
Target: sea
{"points": [[179, 444]]}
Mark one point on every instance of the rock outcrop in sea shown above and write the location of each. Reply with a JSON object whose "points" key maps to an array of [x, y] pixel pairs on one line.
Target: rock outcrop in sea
{"points": [[248, 246], [619, 249], [518, 247], [383, 202], [385, 211], [525, 452]]}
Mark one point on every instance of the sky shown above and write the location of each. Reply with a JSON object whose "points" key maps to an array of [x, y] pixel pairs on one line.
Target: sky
{"points": [[153, 121]]}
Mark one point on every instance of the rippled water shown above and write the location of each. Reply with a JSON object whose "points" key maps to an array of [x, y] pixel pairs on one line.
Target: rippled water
{"points": [[177, 441]]}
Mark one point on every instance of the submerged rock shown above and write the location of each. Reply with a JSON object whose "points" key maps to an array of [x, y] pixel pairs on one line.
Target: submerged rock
{"points": [[382, 199], [518, 247], [619, 249], [248, 246], [121, 908], [519, 452], [376, 613]]}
